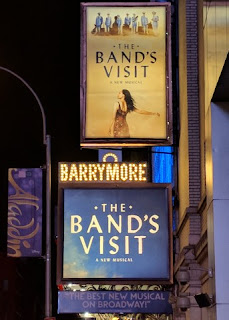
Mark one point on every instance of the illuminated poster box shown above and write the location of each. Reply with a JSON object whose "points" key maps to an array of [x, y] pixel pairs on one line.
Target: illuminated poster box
{"points": [[114, 233], [114, 302], [125, 74], [72, 172]]}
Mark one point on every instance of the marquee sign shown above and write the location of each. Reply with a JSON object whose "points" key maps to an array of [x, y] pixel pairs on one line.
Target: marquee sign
{"points": [[114, 302], [102, 172], [126, 80], [114, 233]]}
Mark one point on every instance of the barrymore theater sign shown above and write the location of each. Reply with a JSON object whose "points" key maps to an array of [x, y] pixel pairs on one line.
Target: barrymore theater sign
{"points": [[114, 227], [105, 172]]}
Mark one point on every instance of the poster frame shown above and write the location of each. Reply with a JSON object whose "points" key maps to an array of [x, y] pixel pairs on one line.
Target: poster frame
{"points": [[113, 281], [89, 142]]}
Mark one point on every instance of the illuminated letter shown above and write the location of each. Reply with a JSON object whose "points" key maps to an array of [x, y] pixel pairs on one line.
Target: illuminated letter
{"points": [[92, 172], [129, 219], [73, 224], [123, 172], [154, 224], [112, 172], [94, 224], [63, 172], [104, 206], [114, 207], [114, 245], [133, 169], [127, 245], [111, 221], [101, 247], [140, 243], [82, 172], [73, 172], [85, 247], [142, 172], [101, 169]]}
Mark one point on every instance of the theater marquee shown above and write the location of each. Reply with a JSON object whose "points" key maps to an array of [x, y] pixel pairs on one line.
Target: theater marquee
{"points": [[113, 232], [102, 172], [125, 74]]}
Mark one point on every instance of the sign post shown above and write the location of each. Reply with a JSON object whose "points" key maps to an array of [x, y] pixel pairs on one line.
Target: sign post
{"points": [[47, 143]]}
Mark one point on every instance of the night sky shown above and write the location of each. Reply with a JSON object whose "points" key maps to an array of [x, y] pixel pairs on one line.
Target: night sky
{"points": [[39, 41]]}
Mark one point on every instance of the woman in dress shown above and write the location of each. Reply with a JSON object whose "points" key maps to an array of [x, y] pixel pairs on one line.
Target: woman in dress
{"points": [[125, 104]]}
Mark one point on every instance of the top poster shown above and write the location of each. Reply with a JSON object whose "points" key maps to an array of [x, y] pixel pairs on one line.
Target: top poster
{"points": [[125, 74]]}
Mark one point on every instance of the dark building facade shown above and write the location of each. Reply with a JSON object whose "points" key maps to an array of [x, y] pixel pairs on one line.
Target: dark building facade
{"points": [[201, 234]]}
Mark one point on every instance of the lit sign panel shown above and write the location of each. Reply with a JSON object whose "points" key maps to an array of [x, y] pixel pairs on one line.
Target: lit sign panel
{"points": [[115, 233], [102, 172], [110, 156], [24, 212], [126, 74], [114, 302]]}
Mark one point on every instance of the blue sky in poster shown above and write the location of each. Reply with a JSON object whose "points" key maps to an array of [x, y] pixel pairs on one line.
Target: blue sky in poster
{"points": [[141, 247]]}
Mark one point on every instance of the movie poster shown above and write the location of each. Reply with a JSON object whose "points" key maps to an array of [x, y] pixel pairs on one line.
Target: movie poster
{"points": [[126, 94], [118, 234]]}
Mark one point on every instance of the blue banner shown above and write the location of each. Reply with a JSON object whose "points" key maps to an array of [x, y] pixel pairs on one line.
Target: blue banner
{"points": [[24, 212], [116, 233], [114, 302]]}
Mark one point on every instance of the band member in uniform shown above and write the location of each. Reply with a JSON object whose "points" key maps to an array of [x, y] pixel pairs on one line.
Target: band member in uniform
{"points": [[119, 23], [155, 20], [108, 23], [98, 23], [134, 23], [127, 20], [144, 23]]}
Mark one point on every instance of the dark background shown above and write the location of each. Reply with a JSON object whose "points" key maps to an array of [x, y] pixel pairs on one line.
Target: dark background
{"points": [[39, 41]]}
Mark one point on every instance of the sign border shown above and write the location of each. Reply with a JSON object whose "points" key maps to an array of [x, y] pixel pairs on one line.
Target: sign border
{"points": [[68, 302], [60, 233], [120, 142]]}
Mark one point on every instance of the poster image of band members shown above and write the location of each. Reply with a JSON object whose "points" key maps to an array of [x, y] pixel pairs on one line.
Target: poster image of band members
{"points": [[136, 22], [126, 65]]}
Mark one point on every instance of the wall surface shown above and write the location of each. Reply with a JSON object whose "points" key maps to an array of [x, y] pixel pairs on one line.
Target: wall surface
{"points": [[216, 43], [217, 207]]}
